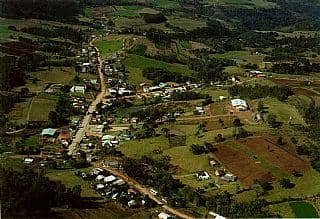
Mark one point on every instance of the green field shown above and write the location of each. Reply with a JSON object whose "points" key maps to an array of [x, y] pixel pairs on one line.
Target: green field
{"points": [[304, 210], [108, 47], [135, 61], [40, 108]]}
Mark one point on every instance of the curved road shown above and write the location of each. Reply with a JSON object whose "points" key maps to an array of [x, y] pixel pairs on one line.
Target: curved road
{"points": [[74, 147]]}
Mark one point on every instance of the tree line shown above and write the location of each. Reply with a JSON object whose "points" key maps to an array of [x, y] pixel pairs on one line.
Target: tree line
{"points": [[260, 91]]}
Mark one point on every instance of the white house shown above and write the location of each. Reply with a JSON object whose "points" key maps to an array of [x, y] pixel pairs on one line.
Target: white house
{"points": [[163, 215], [203, 175], [109, 179], [239, 104], [78, 89]]}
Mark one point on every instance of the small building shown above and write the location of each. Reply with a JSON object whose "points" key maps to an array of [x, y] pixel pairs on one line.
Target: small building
{"points": [[78, 89], [213, 163], [163, 215], [239, 104], [28, 161], [49, 135], [132, 203], [219, 173], [229, 177], [203, 175], [109, 179]]}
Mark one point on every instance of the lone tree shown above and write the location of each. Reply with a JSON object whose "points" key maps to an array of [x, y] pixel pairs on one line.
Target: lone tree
{"points": [[285, 183], [260, 106]]}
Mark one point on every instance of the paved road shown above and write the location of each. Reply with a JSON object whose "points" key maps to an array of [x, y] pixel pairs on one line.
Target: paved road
{"points": [[146, 191], [73, 148]]}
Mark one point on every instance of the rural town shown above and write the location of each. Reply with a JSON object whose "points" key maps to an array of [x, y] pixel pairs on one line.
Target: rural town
{"points": [[160, 109]]}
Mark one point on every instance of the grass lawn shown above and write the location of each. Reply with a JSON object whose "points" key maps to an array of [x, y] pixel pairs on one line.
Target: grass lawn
{"points": [[136, 148], [307, 185], [283, 111], [68, 178], [135, 61], [40, 108], [108, 47], [304, 210]]}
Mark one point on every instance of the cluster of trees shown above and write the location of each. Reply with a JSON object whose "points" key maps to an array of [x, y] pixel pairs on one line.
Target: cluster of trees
{"points": [[155, 173], [26, 192], [260, 91], [149, 114], [188, 95], [62, 112], [158, 75], [153, 18], [210, 69], [200, 149], [41, 9], [66, 32], [159, 37], [304, 67]]}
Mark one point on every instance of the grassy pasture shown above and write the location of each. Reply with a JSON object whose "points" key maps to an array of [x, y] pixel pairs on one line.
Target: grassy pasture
{"points": [[126, 11], [135, 61], [40, 108], [108, 47], [56, 75]]}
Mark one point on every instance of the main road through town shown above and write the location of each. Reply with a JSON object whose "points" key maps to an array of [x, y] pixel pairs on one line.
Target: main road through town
{"points": [[74, 147]]}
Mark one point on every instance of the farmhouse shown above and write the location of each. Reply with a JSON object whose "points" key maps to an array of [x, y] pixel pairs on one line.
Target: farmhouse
{"points": [[239, 104], [49, 135]]}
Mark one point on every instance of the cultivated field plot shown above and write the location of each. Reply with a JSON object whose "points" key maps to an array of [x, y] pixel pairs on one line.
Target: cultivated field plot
{"points": [[304, 91], [241, 165], [277, 156]]}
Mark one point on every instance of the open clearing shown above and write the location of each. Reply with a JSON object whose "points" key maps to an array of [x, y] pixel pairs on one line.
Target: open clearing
{"points": [[62, 75], [304, 210], [241, 165], [277, 156]]}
